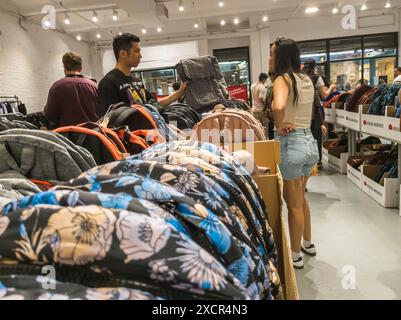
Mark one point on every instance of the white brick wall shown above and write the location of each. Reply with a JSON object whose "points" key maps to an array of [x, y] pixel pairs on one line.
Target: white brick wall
{"points": [[30, 61]]}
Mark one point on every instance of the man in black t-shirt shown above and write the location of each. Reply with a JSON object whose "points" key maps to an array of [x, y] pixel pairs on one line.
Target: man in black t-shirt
{"points": [[118, 85]]}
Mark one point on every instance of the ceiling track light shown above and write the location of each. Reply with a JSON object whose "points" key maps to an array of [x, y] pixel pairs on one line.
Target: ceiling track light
{"points": [[115, 15], [221, 4], [67, 20], [181, 5], [388, 5], [196, 25], [98, 36], [95, 17], [236, 21], [335, 10], [311, 10], [223, 22], [265, 18], [364, 7], [79, 38], [159, 29], [144, 31]]}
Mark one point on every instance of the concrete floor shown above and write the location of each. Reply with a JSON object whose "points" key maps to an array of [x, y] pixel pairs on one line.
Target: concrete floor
{"points": [[356, 239]]}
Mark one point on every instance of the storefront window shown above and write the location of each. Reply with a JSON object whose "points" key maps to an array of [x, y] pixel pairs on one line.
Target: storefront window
{"points": [[234, 65], [313, 50], [372, 58], [159, 82], [380, 46], [346, 74], [379, 70], [345, 49]]}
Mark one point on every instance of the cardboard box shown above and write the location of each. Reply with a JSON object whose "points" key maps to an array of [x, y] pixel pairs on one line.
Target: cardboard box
{"points": [[371, 124], [387, 195], [335, 157], [330, 115], [393, 125], [354, 175], [267, 154]]}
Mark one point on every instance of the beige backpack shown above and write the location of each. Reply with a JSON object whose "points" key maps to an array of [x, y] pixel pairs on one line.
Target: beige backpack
{"points": [[228, 126]]}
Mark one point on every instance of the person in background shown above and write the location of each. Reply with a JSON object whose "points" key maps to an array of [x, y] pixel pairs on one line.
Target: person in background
{"points": [[397, 75], [118, 85], [258, 91], [73, 99], [268, 106], [293, 93], [318, 127]]}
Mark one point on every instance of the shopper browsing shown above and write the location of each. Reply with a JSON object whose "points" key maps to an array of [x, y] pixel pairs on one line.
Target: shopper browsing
{"points": [[73, 99], [397, 75], [118, 85], [258, 91], [293, 94], [321, 92]]}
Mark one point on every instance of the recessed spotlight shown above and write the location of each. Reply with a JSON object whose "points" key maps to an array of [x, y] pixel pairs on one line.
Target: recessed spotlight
{"points": [[236, 21], [335, 10], [310, 10], [98, 36], [196, 26], [159, 29], [115, 15], [388, 5], [223, 22], [221, 4], [94, 17], [265, 18], [79, 38], [364, 7], [143, 31], [67, 20], [181, 5]]}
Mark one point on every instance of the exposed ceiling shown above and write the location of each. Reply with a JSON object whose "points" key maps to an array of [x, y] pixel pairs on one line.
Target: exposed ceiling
{"points": [[136, 15]]}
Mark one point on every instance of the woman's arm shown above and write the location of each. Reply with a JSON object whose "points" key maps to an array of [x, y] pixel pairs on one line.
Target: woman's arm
{"points": [[281, 91], [324, 92]]}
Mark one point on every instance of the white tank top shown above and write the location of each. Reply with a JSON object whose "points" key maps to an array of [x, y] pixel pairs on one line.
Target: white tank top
{"points": [[299, 115]]}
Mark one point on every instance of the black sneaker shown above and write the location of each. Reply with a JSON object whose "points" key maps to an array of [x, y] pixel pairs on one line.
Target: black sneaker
{"points": [[298, 264], [310, 251]]}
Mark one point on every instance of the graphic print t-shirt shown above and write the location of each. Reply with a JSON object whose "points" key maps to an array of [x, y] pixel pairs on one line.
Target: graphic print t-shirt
{"points": [[116, 87]]}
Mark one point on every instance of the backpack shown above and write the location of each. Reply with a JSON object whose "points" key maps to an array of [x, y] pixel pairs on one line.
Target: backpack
{"points": [[182, 115], [138, 247], [135, 117], [103, 143], [81, 156], [229, 124], [352, 103], [206, 82], [37, 158]]}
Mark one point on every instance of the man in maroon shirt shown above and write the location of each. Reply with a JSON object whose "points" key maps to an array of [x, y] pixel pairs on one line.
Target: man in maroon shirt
{"points": [[73, 99]]}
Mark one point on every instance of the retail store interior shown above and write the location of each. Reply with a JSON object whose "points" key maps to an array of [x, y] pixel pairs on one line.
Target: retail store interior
{"points": [[353, 194]]}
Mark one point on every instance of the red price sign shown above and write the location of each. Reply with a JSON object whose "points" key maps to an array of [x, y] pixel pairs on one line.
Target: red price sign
{"points": [[238, 92]]}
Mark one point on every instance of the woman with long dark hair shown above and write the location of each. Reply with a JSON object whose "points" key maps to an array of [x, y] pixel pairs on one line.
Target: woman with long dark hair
{"points": [[293, 93]]}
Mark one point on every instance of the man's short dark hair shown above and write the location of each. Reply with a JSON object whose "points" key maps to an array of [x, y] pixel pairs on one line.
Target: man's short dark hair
{"points": [[72, 61], [398, 69], [263, 77], [124, 42]]}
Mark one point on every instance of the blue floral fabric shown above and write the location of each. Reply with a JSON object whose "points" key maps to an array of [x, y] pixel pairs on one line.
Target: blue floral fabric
{"points": [[195, 192]]}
